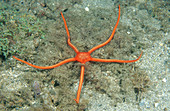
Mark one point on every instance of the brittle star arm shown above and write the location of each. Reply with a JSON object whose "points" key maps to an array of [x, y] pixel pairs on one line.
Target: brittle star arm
{"points": [[115, 60], [68, 34], [46, 67], [80, 84], [110, 38]]}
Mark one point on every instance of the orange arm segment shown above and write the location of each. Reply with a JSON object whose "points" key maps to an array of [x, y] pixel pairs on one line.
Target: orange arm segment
{"points": [[46, 67], [80, 84], [110, 38], [68, 34], [115, 60]]}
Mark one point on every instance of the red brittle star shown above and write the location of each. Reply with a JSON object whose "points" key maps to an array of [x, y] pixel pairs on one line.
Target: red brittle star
{"points": [[83, 57]]}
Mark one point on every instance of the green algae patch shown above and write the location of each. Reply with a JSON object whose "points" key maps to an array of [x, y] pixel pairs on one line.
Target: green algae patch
{"points": [[17, 25]]}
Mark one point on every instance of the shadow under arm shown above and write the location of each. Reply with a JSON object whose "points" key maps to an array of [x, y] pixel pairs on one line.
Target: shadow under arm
{"points": [[68, 34], [46, 67], [115, 60], [110, 38], [80, 84]]}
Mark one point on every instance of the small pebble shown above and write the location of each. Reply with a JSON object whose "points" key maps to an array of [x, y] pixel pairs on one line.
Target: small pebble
{"points": [[156, 104], [86, 9], [36, 88], [163, 80], [128, 32]]}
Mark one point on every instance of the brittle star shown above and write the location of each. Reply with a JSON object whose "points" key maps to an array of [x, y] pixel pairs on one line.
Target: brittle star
{"points": [[83, 57]]}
